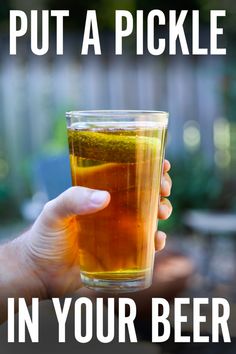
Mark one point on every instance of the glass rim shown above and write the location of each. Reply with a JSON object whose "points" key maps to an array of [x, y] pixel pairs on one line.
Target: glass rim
{"points": [[115, 113]]}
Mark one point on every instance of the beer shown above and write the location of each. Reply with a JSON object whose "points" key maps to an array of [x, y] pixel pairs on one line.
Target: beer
{"points": [[124, 158]]}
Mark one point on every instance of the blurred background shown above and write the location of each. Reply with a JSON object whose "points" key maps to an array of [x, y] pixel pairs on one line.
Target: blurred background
{"points": [[200, 94]]}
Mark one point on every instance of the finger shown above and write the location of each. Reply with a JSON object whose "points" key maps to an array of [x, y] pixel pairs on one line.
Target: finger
{"points": [[165, 209], [167, 166], [166, 185], [160, 240], [77, 201]]}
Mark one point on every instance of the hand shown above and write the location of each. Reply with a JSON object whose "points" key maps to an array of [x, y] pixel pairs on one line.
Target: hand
{"points": [[44, 261], [53, 244], [165, 207]]}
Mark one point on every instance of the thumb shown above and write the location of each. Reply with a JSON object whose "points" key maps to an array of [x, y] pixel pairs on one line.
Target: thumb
{"points": [[75, 201]]}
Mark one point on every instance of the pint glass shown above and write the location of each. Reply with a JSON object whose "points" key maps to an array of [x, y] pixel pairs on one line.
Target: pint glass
{"points": [[120, 152]]}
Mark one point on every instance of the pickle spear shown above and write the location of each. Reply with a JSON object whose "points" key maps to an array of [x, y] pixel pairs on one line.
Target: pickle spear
{"points": [[112, 148]]}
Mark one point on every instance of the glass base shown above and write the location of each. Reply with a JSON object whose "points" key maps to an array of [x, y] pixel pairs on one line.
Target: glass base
{"points": [[116, 286]]}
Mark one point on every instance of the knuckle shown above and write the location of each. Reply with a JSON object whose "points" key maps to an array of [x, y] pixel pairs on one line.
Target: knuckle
{"points": [[167, 203], [48, 207], [166, 192], [70, 191], [168, 178]]}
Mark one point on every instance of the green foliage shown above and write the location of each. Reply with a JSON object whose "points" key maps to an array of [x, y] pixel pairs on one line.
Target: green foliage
{"points": [[229, 90], [58, 142], [196, 185], [8, 208]]}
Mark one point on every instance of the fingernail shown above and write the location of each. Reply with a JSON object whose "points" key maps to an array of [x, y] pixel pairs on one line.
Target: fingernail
{"points": [[164, 209], [162, 235], [98, 197], [165, 184]]}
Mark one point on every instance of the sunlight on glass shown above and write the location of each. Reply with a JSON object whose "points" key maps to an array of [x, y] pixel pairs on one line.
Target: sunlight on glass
{"points": [[222, 134], [222, 143], [191, 135], [222, 158]]}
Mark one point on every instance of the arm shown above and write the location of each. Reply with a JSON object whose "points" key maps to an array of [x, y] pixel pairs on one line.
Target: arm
{"points": [[43, 262], [17, 278]]}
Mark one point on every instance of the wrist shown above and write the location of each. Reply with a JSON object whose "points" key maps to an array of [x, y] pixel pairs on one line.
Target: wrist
{"points": [[18, 275]]}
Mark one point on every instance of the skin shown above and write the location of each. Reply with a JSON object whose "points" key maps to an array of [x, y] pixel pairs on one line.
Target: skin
{"points": [[43, 262]]}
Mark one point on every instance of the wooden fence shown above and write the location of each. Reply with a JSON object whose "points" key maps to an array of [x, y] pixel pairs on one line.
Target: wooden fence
{"points": [[34, 90]]}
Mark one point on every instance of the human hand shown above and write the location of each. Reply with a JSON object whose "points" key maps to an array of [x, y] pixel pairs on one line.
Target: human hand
{"points": [[165, 207], [43, 262], [52, 243]]}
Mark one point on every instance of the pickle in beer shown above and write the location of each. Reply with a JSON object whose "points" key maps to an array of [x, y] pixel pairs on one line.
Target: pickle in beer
{"points": [[116, 244]]}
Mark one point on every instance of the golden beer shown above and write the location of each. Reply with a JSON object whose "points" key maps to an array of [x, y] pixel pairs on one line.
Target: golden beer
{"points": [[116, 244]]}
